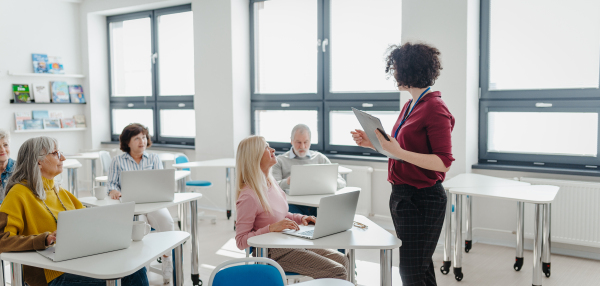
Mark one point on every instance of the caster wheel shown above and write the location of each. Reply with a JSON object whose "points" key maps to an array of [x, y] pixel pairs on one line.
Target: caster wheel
{"points": [[546, 269], [468, 245], [458, 275], [445, 269], [518, 263], [159, 259], [228, 214], [196, 280]]}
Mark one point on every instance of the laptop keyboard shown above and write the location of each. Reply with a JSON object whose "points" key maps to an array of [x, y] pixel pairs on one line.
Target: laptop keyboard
{"points": [[308, 233]]}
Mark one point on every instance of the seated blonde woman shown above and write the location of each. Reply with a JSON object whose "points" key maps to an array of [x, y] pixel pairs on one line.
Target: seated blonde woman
{"points": [[262, 208], [28, 215]]}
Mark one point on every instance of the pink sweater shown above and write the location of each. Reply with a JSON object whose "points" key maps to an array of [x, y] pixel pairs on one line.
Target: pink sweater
{"points": [[252, 220]]}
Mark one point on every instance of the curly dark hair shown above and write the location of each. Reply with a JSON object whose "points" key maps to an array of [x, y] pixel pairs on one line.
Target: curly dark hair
{"points": [[132, 130], [414, 65]]}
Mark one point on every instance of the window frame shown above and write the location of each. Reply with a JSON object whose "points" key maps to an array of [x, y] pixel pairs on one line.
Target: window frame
{"points": [[170, 106], [155, 100]]}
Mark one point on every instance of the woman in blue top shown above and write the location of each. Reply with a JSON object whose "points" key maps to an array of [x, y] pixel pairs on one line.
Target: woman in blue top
{"points": [[6, 163], [134, 140]]}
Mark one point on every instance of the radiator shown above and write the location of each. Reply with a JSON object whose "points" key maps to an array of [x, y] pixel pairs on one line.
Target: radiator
{"points": [[575, 212]]}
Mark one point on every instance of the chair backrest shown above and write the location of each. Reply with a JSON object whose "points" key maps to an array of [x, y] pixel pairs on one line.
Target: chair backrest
{"points": [[105, 161], [182, 159], [252, 274]]}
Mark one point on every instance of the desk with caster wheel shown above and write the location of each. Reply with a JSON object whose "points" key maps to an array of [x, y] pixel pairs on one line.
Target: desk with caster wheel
{"points": [[540, 195]]}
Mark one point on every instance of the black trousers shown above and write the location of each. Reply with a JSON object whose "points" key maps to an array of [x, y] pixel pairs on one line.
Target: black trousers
{"points": [[418, 216]]}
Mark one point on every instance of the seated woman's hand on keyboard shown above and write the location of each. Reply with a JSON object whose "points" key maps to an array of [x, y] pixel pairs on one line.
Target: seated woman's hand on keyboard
{"points": [[306, 220], [283, 224]]}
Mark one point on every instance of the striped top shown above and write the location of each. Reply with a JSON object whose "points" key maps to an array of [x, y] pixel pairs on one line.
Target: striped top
{"points": [[125, 162]]}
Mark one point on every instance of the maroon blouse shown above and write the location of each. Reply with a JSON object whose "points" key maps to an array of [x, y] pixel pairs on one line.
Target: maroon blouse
{"points": [[427, 131]]}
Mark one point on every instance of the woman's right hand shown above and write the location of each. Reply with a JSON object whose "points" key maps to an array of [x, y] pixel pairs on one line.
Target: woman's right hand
{"points": [[114, 194], [51, 238], [283, 225], [361, 139]]}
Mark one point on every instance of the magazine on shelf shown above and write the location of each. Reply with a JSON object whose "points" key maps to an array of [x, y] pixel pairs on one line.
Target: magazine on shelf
{"points": [[41, 93], [55, 65], [40, 63], [76, 92], [56, 114], [51, 123], [19, 118], [40, 114], [33, 124], [68, 123], [79, 120], [60, 91], [22, 93]]}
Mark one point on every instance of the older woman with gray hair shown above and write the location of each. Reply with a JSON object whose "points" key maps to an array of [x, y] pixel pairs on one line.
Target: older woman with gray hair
{"points": [[6, 163], [28, 216]]}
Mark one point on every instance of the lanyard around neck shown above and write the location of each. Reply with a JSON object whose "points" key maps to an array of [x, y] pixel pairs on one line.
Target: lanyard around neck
{"points": [[409, 112]]}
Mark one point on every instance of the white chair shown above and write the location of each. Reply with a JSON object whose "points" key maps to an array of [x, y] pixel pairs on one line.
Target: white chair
{"points": [[196, 184], [104, 164]]}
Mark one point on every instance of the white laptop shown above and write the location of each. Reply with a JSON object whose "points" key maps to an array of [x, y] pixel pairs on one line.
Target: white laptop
{"points": [[336, 214], [148, 186], [91, 231], [313, 179]]}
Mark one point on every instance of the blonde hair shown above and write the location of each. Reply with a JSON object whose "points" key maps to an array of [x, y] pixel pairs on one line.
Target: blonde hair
{"points": [[249, 174]]}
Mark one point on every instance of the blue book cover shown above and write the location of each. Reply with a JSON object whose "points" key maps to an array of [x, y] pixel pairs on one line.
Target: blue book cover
{"points": [[76, 92], [40, 114], [40, 63], [34, 124], [60, 91], [55, 65]]}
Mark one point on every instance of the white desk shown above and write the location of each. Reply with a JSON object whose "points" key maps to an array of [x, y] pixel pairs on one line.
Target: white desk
{"points": [[93, 156], [114, 265], [540, 195], [344, 172], [141, 209], [72, 165], [179, 175], [468, 180], [314, 200], [374, 237]]}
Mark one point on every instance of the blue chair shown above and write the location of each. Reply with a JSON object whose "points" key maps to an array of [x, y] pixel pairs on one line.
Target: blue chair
{"points": [[267, 274], [295, 277], [196, 184]]}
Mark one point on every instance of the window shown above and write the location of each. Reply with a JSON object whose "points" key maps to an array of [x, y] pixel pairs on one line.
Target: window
{"points": [[151, 59], [304, 59], [540, 97]]}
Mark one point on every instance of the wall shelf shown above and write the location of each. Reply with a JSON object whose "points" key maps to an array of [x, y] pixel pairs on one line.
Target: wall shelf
{"points": [[46, 75], [49, 130], [12, 101]]}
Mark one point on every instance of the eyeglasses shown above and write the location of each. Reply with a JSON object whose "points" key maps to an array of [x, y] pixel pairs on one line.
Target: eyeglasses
{"points": [[58, 154]]}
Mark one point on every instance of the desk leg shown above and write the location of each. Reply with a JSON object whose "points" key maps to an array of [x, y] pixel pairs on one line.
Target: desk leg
{"points": [[17, 275], [116, 282], [136, 217], [352, 266], [70, 180], [546, 240], [194, 229], [2, 282], [537, 244], [262, 252], [178, 273], [447, 235], [93, 176], [345, 177], [458, 275], [469, 223], [228, 194], [73, 182], [520, 235], [385, 262], [184, 217]]}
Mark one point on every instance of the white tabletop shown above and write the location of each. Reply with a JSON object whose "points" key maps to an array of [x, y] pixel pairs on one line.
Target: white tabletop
{"points": [[226, 162], [71, 164], [141, 209], [102, 179], [110, 265], [374, 237], [536, 194], [178, 176], [325, 282], [314, 200], [344, 170], [90, 155], [470, 180]]}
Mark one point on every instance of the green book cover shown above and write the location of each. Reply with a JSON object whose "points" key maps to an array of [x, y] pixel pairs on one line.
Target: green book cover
{"points": [[21, 92]]}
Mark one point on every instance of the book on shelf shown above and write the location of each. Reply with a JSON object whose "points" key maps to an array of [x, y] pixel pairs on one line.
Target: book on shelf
{"points": [[41, 93], [55, 65], [22, 93], [68, 123], [51, 123], [60, 91], [19, 118], [40, 63], [56, 114], [33, 124], [79, 120], [40, 114], [76, 92]]}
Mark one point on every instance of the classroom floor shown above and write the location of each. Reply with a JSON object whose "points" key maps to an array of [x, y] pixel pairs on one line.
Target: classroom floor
{"points": [[484, 265]]}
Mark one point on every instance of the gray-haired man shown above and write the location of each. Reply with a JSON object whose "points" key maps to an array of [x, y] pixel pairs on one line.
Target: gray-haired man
{"points": [[300, 154]]}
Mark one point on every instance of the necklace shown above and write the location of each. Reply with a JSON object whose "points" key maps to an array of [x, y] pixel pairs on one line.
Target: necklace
{"points": [[63, 205]]}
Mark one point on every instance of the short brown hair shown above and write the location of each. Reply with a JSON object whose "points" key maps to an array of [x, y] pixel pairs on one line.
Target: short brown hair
{"points": [[132, 130], [414, 65]]}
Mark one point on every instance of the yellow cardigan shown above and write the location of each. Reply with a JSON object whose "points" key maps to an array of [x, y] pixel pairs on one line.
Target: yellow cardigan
{"points": [[25, 222]]}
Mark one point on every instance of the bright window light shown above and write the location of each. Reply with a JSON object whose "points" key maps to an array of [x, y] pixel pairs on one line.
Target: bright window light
{"points": [[176, 54], [277, 125], [342, 122], [178, 123], [124, 117]]}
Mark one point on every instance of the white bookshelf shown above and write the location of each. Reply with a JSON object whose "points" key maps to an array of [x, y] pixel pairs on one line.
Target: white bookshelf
{"points": [[50, 130], [45, 75]]}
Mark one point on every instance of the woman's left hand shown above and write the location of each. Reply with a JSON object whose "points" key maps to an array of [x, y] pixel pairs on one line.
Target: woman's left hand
{"points": [[391, 146], [308, 219]]}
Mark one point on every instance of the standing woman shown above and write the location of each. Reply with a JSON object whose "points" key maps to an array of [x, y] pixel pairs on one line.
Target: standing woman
{"points": [[421, 138], [6, 163]]}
